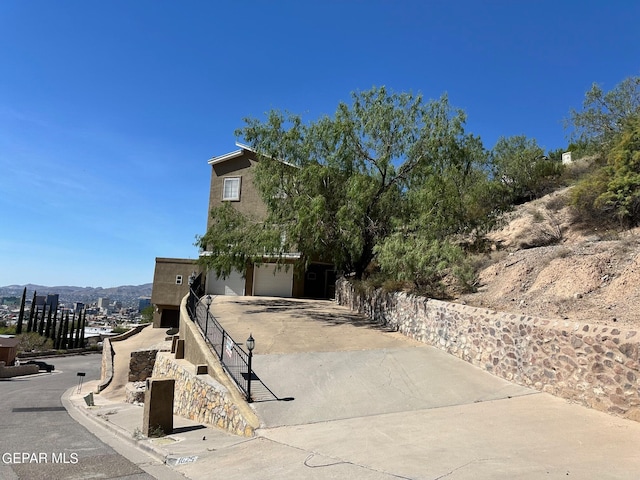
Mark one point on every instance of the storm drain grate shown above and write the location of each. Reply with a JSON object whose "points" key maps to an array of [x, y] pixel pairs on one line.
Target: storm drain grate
{"points": [[38, 409]]}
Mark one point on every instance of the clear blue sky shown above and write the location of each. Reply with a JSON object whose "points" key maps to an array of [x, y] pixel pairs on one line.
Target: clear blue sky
{"points": [[109, 110]]}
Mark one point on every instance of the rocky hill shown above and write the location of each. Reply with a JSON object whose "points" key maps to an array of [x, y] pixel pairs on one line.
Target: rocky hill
{"points": [[545, 263]]}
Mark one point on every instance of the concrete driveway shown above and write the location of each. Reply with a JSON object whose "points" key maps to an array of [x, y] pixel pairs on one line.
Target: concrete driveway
{"points": [[368, 403], [291, 325]]}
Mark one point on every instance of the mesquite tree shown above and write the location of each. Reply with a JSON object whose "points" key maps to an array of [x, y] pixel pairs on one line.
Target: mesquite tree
{"points": [[336, 189]]}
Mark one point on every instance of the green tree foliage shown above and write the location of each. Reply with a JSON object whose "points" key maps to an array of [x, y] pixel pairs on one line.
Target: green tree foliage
{"points": [[613, 191], [234, 240], [603, 115], [32, 341], [448, 198], [386, 169], [523, 169], [423, 261], [147, 314], [5, 329], [622, 195]]}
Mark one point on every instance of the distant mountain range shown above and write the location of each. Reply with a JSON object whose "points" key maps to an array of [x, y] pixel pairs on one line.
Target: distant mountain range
{"points": [[127, 294]]}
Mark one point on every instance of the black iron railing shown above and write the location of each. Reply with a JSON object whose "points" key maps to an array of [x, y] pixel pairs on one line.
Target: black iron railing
{"points": [[233, 358]]}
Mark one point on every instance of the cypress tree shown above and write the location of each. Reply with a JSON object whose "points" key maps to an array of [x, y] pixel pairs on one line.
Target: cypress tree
{"points": [[41, 324], [31, 323], [58, 341], [65, 333], [47, 330], [53, 335], [21, 316]]}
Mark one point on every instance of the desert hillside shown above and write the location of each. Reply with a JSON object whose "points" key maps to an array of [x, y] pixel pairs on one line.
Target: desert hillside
{"points": [[546, 264]]}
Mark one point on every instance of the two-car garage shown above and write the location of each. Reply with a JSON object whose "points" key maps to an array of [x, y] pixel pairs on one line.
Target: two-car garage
{"points": [[267, 281]]}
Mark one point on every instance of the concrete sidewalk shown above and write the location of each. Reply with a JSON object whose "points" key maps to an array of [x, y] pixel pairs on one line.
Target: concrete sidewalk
{"points": [[526, 437], [385, 408]]}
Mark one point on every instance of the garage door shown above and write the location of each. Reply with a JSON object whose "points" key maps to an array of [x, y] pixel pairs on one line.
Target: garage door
{"points": [[269, 282], [232, 285]]}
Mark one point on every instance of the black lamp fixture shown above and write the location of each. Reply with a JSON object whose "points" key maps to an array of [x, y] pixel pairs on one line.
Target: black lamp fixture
{"points": [[251, 344], [208, 300]]}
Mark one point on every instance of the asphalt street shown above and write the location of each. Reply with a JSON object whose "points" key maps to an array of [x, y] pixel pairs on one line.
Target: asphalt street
{"points": [[38, 438]]}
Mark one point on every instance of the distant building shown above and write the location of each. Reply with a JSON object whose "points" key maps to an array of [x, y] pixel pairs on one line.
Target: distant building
{"points": [[103, 305], [143, 302], [52, 301], [41, 301], [78, 306], [103, 302]]}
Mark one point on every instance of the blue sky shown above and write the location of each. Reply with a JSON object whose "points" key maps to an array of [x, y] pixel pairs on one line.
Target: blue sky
{"points": [[110, 110]]}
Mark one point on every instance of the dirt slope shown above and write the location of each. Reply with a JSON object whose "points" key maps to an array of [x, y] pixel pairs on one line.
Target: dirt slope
{"points": [[546, 265]]}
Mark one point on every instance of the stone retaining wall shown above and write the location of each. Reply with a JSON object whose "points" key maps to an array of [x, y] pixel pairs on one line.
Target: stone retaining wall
{"points": [[141, 364], [597, 366], [134, 392], [200, 397], [17, 371]]}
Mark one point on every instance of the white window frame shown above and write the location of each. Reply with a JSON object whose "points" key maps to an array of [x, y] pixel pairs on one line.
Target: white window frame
{"points": [[178, 279], [231, 198]]}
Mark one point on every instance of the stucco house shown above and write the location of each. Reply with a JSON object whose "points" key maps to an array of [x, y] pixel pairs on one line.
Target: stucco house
{"points": [[232, 181], [171, 281]]}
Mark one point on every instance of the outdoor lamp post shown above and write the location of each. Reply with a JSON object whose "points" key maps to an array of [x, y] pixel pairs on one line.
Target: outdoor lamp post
{"points": [[251, 343], [206, 324]]}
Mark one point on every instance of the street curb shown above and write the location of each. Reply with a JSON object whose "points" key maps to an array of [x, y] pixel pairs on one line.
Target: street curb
{"points": [[77, 411]]}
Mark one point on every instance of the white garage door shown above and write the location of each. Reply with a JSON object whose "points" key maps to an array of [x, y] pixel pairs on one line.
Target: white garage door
{"points": [[269, 282], [232, 285]]}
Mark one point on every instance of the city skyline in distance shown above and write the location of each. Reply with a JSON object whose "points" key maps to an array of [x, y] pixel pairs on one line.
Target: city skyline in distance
{"points": [[128, 294]]}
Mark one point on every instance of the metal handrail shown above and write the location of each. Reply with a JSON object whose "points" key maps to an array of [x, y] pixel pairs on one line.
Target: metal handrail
{"points": [[235, 361]]}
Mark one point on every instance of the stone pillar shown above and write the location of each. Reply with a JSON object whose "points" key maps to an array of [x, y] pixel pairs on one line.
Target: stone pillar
{"points": [[158, 407], [180, 349]]}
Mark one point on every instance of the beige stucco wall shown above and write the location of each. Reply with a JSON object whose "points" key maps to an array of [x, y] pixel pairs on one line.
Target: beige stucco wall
{"points": [[250, 202], [166, 293]]}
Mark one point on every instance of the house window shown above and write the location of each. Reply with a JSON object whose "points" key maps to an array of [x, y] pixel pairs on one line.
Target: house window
{"points": [[178, 279], [231, 189]]}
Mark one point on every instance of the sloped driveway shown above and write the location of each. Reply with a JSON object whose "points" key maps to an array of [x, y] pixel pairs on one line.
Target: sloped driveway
{"points": [[347, 398], [317, 361]]}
